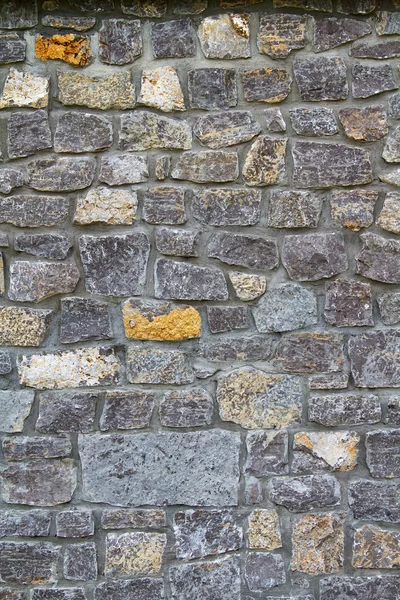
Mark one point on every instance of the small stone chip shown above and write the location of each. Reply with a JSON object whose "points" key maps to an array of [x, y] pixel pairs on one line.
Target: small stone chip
{"points": [[24, 89], [212, 88], [389, 307], [151, 365], [23, 326], [62, 22], [266, 85], [264, 530], [134, 553], [318, 543], [120, 41], [225, 36], [274, 119], [353, 209], [314, 256], [376, 548], [70, 48], [186, 408], [115, 91], [160, 88], [155, 320], [280, 34], [321, 78], [11, 178], [173, 39], [177, 242], [316, 352]]}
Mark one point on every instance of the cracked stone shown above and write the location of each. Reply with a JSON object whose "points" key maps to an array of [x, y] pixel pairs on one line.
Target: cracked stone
{"points": [[325, 451], [82, 132], [353, 209], [243, 250], [247, 286], [24, 89], [314, 256], [212, 88], [214, 166], [284, 308], [120, 41], [367, 124], [143, 130], [225, 207], [313, 121], [61, 174], [108, 206], [33, 211], [161, 88], [376, 548], [115, 91], [383, 448], [186, 408], [267, 453], [23, 326], [15, 406], [151, 365], [379, 258], [266, 85], [12, 48], [369, 81], [225, 36], [28, 563], [265, 162], [321, 78], [46, 245], [127, 410], [318, 543], [263, 571], [70, 48], [67, 412], [134, 553], [316, 352], [173, 39], [348, 303], [36, 281], [176, 280], [226, 129], [294, 209], [177, 242], [203, 579], [27, 133], [280, 34], [341, 409], [300, 494], [164, 205], [84, 319], [332, 32], [164, 321]]}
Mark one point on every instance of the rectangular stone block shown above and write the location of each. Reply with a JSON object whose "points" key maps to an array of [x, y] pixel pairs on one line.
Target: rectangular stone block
{"points": [[28, 563], [151, 365]]}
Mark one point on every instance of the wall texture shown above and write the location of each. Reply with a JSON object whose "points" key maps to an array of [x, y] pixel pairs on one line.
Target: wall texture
{"points": [[200, 304]]}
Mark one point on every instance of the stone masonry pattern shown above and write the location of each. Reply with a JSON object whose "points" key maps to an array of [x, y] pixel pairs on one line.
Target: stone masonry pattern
{"points": [[200, 300]]}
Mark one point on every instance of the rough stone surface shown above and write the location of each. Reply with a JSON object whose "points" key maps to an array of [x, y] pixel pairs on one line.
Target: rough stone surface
{"points": [[379, 50], [332, 32], [25, 523], [244, 251], [234, 349], [80, 562], [265, 162], [18, 16], [300, 494], [143, 130], [120, 41], [144, 588], [207, 166], [353, 209], [24, 89], [84, 319], [21, 448], [389, 218], [183, 281], [82, 132], [115, 91], [294, 209], [325, 451], [369, 81], [267, 453], [313, 121], [203, 579], [36, 281], [134, 553], [190, 408], [374, 359], [173, 39], [151, 365], [144, 8], [314, 256], [284, 308], [161, 88], [160, 321], [370, 588], [344, 409], [225, 36], [175, 242], [33, 211], [367, 124], [280, 34], [375, 500], [321, 78], [69, 48], [311, 353], [389, 308], [67, 412], [376, 548], [45, 245], [212, 88], [379, 258], [23, 326], [227, 318], [348, 303], [15, 407], [164, 205], [248, 286], [387, 23], [12, 48], [263, 571], [318, 544], [74, 523], [122, 169], [264, 530], [382, 452], [127, 410], [61, 174], [27, 133], [226, 129], [10, 179], [105, 205], [28, 563], [223, 207], [269, 85], [120, 518]]}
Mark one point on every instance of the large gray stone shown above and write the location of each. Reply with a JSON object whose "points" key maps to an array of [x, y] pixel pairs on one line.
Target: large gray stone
{"points": [[379, 258], [120, 41], [368, 81], [82, 132], [314, 256], [28, 132], [61, 174], [226, 129], [332, 32], [161, 468], [33, 211], [203, 579], [143, 130], [15, 406], [184, 281], [45, 245], [302, 494], [284, 308], [244, 250], [17, 15], [36, 281], [321, 78]]}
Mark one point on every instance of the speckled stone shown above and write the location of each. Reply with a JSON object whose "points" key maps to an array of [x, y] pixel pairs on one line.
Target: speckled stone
{"points": [[127, 410], [317, 5], [274, 119], [63, 22], [269, 85], [367, 124], [348, 303], [70, 48], [46, 245], [264, 530], [284, 308], [115, 91], [245, 251], [376, 548], [173, 39], [74, 523], [80, 562], [369, 81], [36, 281], [23, 326], [146, 588], [186, 408], [318, 543], [357, 7], [353, 209], [314, 256], [267, 453], [316, 352], [394, 106], [280, 34], [144, 8], [10, 179], [33, 211], [361, 588], [237, 348], [24, 89], [61, 174], [212, 88], [301, 494], [82, 132], [389, 307], [321, 78], [226, 129], [379, 258], [18, 558], [136, 518], [375, 358], [375, 500], [265, 162], [151, 365], [123, 169], [379, 50], [143, 130], [214, 166], [134, 553], [263, 571], [177, 242], [27, 133], [15, 407], [382, 452], [183, 281], [164, 205], [294, 209], [341, 409], [106, 205], [313, 121], [161, 88], [21, 448], [225, 36], [332, 32], [29, 523], [227, 318], [84, 319], [120, 41], [202, 579], [67, 412]]}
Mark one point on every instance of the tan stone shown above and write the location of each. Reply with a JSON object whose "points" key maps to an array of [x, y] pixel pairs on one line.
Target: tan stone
{"points": [[134, 553], [115, 91], [318, 543], [265, 162], [25, 89], [160, 321], [264, 530], [368, 124], [69, 48], [248, 286], [353, 209], [225, 36], [23, 326], [376, 548], [107, 205], [337, 449], [161, 89], [389, 218]]}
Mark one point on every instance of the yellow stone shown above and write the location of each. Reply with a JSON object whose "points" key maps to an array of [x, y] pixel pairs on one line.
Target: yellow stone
{"points": [[70, 48], [134, 553], [106, 205], [160, 321], [23, 326], [264, 530]]}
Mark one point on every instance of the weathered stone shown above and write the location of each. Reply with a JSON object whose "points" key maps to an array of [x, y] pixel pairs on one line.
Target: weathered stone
{"points": [[226, 129], [343, 409], [135, 518], [264, 530], [36, 281], [144, 588], [294, 209], [317, 5], [244, 250], [265, 162], [375, 500], [300, 494], [391, 151], [375, 359], [15, 15], [75, 23], [225, 207], [58, 594], [377, 50], [280, 34], [189, 7], [67, 412], [368, 81], [120, 41], [82, 132], [27, 523], [33, 211], [123, 168], [225, 36], [127, 410], [212, 88], [357, 7], [115, 91], [5, 363], [391, 177], [46, 245], [254, 399], [164, 205], [318, 543], [23, 326], [253, 493], [81, 367], [274, 120], [325, 451], [376, 548], [75, 523], [323, 165], [144, 8], [70, 48], [162, 167], [387, 23], [201, 580], [105, 205], [154, 320], [237, 3], [234, 349], [389, 307], [267, 453], [15, 406], [207, 166], [359, 588], [263, 571], [186, 408], [321, 78], [227, 318], [389, 218], [38, 482], [332, 32], [313, 121], [177, 242], [367, 124], [266, 85], [383, 447], [114, 265], [200, 533], [22, 88], [161, 468], [11, 178], [353, 209], [80, 562], [394, 106], [143, 130], [151, 365], [248, 286], [134, 553], [284, 308], [379, 258], [61, 174], [27, 133], [92, 5], [161, 88], [314, 256], [316, 352], [183, 281], [12, 48], [20, 448], [28, 563], [348, 303], [173, 39], [84, 319], [393, 411]]}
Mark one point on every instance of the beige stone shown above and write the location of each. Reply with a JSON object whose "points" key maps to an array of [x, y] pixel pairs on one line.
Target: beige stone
{"points": [[337, 449], [106, 205], [25, 89], [264, 530], [114, 91], [23, 326], [376, 548], [134, 553], [248, 286], [161, 89], [225, 36], [389, 219]]}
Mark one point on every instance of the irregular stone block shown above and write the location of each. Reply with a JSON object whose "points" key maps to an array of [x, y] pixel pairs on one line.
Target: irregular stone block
{"points": [[81, 367], [28, 563], [123, 168], [317, 5], [84, 319], [164, 205], [265, 162], [266, 85], [212, 88], [127, 410], [20, 448], [325, 451], [375, 359], [332, 32], [314, 256], [150, 365], [321, 78], [58, 594], [5, 363], [11, 594], [375, 500], [274, 120], [318, 544], [280, 34], [161, 88], [263, 530], [23, 326], [144, 8], [391, 177], [27, 523], [379, 258], [173, 39], [135, 518], [46, 245], [225, 36], [134, 553], [300, 494], [387, 23], [162, 167], [313, 121], [267, 453], [82, 132], [12, 48], [207, 166], [368, 124], [115, 91], [105, 205], [382, 453], [27, 133], [378, 50], [253, 491], [391, 151], [353, 209], [92, 5], [263, 571], [36, 281], [284, 308], [70, 48], [75, 23], [15, 406], [348, 303], [226, 129], [393, 411], [225, 207], [80, 562], [227, 318], [394, 106], [61, 174], [247, 286], [244, 250], [361, 588], [311, 352], [343, 409], [183, 281], [376, 548], [234, 349], [22, 88], [369, 81], [38, 483], [143, 130], [160, 321], [33, 211], [10, 179], [144, 588], [15, 15], [189, 7], [357, 7], [203, 579], [294, 209], [186, 408], [67, 412], [389, 308], [177, 242], [120, 41], [266, 401], [74, 523], [161, 468]]}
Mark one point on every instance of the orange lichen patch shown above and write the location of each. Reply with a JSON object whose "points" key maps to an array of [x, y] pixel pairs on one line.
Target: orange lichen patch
{"points": [[178, 324], [70, 48]]}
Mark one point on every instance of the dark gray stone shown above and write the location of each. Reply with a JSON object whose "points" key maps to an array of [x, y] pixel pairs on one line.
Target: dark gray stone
{"points": [[391, 151], [123, 168], [164, 205], [5, 363], [375, 358], [67, 412], [36, 281], [20, 448], [120, 41], [387, 23], [332, 32], [115, 265], [84, 319], [177, 242], [244, 250], [92, 5], [344, 409], [357, 7], [376, 501], [274, 120], [215, 166], [151, 365], [232, 349], [58, 594], [267, 453], [27, 523], [47, 245], [144, 8], [368, 81], [377, 50], [302, 494], [266, 85], [316, 352], [173, 39], [200, 533], [61, 174], [317, 5], [28, 132], [284, 308], [10, 179], [184, 281], [127, 410], [186, 408], [33, 211], [12, 48], [264, 570], [393, 412], [212, 88], [348, 303], [383, 452], [15, 14], [203, 579], [135, 518], [161, 468], [144, 130], [189, 7], [313, 121], [144, 588], [280, 34], [323, 165], [379, 258], [82, 132], [360, 588], [314, 256], [80, 562], [226, 129], [26, 563], [227, 318], [394, 106], [321, 78], [294, 209], [75, 523], [225, 207]]}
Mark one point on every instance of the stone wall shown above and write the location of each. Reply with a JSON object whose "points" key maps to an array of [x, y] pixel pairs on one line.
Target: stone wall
{"points": [[200, 303]]}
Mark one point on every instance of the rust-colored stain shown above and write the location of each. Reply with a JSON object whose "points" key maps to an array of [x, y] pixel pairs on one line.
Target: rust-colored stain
{"points": [[70, 48], [177, 325]]}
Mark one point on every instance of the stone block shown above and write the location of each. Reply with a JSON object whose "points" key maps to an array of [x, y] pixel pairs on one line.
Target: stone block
{"points": [[84, 319], [127, 410], [120, 41]]}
